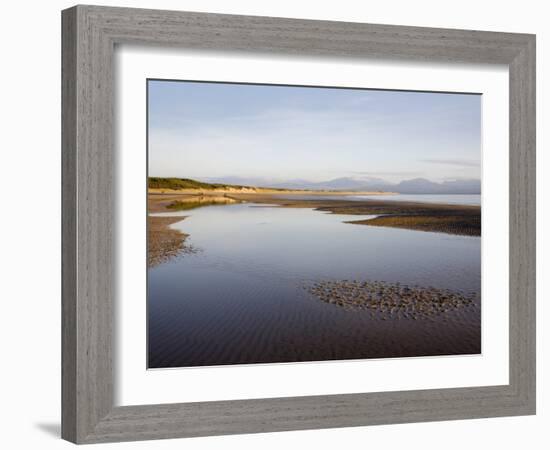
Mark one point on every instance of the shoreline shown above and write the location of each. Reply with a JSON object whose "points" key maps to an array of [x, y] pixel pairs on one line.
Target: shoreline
{"points": [[164, 242], [455, 225], [459, 220]]}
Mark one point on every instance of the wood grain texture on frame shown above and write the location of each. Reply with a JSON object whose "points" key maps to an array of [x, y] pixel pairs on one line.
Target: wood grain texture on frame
{"points": [[89, 37]]}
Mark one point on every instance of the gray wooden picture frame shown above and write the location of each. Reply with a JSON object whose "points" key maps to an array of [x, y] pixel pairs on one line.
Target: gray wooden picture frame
{"points": [[89, 37]]}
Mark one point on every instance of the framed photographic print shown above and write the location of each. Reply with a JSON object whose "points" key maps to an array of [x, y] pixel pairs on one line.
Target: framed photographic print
{"points": [[251, 256], [278, 224]]}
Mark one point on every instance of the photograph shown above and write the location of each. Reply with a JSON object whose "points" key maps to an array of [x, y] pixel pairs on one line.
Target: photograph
{"points": [[275, 225], [290, 224]]}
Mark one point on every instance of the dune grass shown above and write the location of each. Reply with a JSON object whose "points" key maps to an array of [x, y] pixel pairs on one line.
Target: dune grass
{"points": [[187, 183]]}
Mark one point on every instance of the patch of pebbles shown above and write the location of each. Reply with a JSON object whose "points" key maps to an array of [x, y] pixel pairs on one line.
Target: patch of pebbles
{"points": [[392, 300]]}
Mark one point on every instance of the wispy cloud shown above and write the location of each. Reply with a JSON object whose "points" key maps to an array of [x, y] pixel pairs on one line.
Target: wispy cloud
{"points": [[201, 130], [389, 173], [453, 162]]}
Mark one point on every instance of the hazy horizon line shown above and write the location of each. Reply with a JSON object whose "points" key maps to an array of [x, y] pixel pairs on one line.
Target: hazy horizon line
{"points": [[321, 180]]}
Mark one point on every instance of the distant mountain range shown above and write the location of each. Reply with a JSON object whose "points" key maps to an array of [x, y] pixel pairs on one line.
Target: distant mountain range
{"points": [[412, 186]]}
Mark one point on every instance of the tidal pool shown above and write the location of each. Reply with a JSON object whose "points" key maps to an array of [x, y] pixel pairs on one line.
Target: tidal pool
{"points": [[243, 296]]}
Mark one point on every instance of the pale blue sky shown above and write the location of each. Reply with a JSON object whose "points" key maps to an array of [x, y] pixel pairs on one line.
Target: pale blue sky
{"points": [[210, 130]]}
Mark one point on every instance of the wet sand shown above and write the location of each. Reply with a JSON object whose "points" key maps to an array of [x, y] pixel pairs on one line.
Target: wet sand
{"points": [[450, 224], [232, 317], [462, 220], [392, 300], [295, 325], [163, 242]]}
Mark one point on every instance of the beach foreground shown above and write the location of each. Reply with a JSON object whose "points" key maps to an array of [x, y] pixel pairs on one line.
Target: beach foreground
{"points": [[165, 242], [262, 279], [462, 220], [452, 219]]}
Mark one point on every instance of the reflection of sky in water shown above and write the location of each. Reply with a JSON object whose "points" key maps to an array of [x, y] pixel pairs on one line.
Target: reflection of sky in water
{"points": [[245, 286], [300, 243]]}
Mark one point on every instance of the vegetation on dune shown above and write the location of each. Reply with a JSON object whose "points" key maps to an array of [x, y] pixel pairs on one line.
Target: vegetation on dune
{"points": [[187, 183]]}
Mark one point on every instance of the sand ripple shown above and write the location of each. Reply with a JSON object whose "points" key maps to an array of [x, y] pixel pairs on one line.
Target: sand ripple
{"points": [[392, 300]]}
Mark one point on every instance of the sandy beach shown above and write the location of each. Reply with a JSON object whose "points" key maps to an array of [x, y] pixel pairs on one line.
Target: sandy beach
{"points": [[163, 242], [441, 218], [451, 219], [276, 284]]}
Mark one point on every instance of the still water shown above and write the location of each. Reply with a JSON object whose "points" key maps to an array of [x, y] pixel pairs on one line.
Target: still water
{"points": [[442, 199], [240, 298]]}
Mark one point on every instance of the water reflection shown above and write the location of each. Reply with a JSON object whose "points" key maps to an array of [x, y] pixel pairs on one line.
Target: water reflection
{"points": [[242, 298]]}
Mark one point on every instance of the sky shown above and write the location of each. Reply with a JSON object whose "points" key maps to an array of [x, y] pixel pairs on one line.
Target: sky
{"points": [[279, 133]]}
